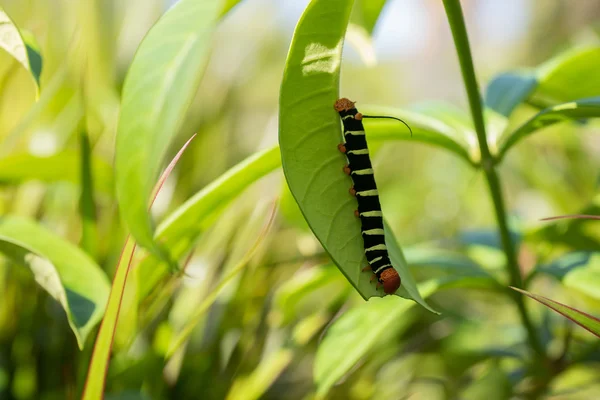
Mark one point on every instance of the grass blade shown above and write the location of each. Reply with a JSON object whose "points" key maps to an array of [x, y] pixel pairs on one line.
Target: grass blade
{"points": [[582, 319], [212, 296], [96, 377]]}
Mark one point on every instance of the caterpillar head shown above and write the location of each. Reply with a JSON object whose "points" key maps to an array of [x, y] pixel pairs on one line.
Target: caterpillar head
{"points": [[390, 280], [343, 105]]}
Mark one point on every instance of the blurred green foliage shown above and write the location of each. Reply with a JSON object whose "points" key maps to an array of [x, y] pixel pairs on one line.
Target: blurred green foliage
{"points": [[267, 312]]}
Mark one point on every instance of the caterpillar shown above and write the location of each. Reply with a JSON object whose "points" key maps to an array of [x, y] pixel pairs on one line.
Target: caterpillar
{"points": [[365, 190]]}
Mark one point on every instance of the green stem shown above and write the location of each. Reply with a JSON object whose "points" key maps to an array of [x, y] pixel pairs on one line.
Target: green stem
{"points": [[87, 206], [461, 41]]}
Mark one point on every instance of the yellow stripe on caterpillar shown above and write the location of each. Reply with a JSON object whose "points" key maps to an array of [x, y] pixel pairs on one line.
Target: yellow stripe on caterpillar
{"points": [[382, 268], [364, 193], [358, 152], [377, 247], [377, 231], [371, 214], [366, 171]]}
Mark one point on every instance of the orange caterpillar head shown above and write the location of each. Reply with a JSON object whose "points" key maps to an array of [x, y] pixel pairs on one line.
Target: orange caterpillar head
{"points": [[343, 105], [390, 280]]}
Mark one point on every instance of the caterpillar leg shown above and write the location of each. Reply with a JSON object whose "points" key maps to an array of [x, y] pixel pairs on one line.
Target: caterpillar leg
{"points": [[346, 169], [367, 268], [356, 213], [352, 191], [342, 147]]}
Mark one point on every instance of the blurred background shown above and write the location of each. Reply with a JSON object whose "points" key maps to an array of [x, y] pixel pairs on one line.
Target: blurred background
{"points": [[250, 344]]}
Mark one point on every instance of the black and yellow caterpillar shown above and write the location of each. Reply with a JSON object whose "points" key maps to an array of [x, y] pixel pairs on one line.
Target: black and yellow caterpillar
{"points": [[365, 189]]}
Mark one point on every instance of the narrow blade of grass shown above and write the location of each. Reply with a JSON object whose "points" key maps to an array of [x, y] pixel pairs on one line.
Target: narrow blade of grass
{"points": [[212, 296], [581, 318], [96, 377]]}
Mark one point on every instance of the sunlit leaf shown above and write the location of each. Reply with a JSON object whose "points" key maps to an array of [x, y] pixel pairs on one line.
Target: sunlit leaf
{"points": [[584, 108], [311, 162], [354, 334], [64, 166], [22, 46], [98, 367], [159, 87], [182, 227], [582, 319], [506, 91], [63, 270], [570, 76]]}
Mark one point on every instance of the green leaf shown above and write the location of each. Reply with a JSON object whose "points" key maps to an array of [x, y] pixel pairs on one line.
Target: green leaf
{"points": [[460, 271], [408, 289], [570, 76], [433, 124], [63, 166], [562, 266], [159, 87], [308, 141], [585, 276], [582, 319], [366, 13], [96, 377], [508, 90], [63, 270], [356, 333], [98, 367], [181, 228], [22, 46], [583, 108]]}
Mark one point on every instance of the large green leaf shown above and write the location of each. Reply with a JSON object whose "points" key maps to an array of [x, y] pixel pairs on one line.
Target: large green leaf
{"points": [[582, 319], [570, 76], [583, 108], [358, 331], [158, 89], [309, 132], [506, 91], [63, 270], [22, 46]]}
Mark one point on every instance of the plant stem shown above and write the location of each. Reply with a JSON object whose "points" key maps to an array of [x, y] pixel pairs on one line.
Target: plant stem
{"points": [[461, 41]]}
